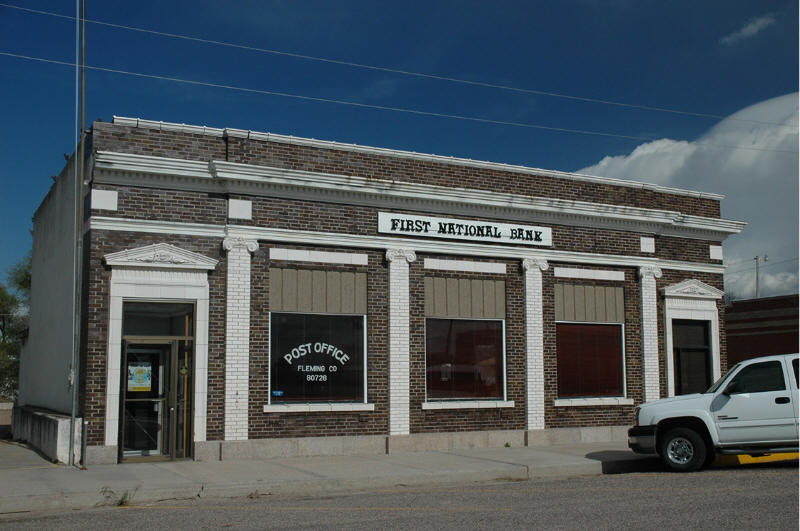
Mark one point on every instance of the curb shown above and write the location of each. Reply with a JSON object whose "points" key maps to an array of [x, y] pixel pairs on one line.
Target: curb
{"points": [[135, 494], [733, 460]]}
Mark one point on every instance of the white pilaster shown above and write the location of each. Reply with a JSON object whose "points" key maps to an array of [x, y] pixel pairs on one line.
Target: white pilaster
{"points": [[649, 274], [237, 336], [398, 340], [534, 341]]}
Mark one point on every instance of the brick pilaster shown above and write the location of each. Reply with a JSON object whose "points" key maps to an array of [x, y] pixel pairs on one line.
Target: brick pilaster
{"points": [[399, 376], [237, 336], [534, 341], [649, 274]]}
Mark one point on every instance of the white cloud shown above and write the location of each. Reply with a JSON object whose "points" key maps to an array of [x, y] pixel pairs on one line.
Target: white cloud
{"points": [[659, 159], [742, 285], [748, 30], [760, 185]]}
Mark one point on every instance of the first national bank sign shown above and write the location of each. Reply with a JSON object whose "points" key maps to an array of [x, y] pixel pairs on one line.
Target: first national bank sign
{"points": [[461, 229]]}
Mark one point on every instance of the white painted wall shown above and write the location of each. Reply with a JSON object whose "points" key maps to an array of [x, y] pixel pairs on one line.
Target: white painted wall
{"points": [[45, 363]]}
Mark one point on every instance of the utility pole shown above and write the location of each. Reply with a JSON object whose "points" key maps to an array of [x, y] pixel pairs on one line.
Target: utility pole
{"points": [[758, 275], [80, 35]]}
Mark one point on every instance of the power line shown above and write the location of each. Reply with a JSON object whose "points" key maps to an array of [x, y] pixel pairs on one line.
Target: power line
{"points": [[769, 264], [411, 73], [382, 107]]}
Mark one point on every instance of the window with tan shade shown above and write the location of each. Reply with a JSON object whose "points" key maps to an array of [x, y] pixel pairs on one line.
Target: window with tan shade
{"points": [[589, 340], [464, 339], [318, 329]]}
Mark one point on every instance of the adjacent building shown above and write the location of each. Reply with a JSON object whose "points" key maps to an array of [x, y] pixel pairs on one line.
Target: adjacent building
{"points": [[250, 294], [762, 327]]}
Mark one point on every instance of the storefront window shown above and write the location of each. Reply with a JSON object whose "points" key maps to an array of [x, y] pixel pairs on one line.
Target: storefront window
{"points": [[590, 360], [317, 358], [464, 359]]}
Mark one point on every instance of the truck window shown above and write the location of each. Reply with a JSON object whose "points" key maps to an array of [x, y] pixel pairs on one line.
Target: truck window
{"points": [[760, 378], [794, 366]]}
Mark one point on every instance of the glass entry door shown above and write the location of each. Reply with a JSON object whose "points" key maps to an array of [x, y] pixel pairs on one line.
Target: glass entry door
{"points": [[156, 399]]}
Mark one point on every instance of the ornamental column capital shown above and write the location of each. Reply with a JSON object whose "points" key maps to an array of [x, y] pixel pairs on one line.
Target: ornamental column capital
{"points": [[650, 271], [230, 243], [395, 254], [531, 264]]}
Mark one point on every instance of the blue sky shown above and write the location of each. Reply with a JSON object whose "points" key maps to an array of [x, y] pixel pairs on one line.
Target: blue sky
{"points": [[710, 57]]}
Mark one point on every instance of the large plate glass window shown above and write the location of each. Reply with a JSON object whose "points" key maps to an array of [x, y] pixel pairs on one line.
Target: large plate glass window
{"points": [[317, 358], [464, 359], [589, 340], [465, 339], [589, 360]]}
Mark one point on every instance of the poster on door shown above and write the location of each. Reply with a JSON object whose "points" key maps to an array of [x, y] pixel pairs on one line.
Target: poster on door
{"points": [[140, 376]]}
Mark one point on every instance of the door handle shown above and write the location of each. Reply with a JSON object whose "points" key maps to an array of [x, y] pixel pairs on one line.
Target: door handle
{"points": [[782, 400]]}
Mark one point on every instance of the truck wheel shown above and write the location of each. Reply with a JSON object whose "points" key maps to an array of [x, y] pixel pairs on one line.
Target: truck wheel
{"points": [[683, 450]]}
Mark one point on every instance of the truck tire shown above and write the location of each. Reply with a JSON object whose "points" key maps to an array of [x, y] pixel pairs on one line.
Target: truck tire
{"points": [[683, 450]]}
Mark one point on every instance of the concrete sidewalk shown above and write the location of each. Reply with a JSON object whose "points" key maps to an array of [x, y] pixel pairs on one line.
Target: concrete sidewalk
{"points": [[30, 483]]}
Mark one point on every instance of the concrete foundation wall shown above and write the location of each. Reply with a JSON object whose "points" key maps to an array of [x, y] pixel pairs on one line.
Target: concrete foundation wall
{"points": [[419, 442], [47, 432]]}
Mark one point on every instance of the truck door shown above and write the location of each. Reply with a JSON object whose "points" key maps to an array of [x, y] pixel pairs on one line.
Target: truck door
{"points": [[794, 371], [757, 406]]}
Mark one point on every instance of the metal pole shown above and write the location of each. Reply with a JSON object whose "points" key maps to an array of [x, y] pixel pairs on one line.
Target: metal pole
{"points": [[75, 229], [758, 290], [78, 279]]}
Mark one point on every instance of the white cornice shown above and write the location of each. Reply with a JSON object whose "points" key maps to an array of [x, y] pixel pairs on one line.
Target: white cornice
{"points": [[355, 241], [326, 144], [221, 176], [156, 227]]}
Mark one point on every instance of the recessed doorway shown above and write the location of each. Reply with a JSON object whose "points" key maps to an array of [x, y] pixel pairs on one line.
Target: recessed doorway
{"points": [[156, 384], [691, 352]]}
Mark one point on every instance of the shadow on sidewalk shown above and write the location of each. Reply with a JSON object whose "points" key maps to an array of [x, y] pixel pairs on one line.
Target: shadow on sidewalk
{"points": [[622, 462], [625, 462]]}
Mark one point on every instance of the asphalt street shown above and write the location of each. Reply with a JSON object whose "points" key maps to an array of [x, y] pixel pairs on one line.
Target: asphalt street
{"points": [[752, 497]]}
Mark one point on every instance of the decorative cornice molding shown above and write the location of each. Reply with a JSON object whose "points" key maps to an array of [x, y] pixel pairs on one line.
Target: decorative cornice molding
{"points": [[650, 270], [692, 289], [160, 255], [357, 241], [222, 176], [534, 263], [386, 152], [237, 242], [394, 254]]}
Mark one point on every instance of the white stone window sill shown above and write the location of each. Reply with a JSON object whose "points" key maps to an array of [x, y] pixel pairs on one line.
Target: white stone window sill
{"points": [[309, 408], [571, 402], [468, 404]]}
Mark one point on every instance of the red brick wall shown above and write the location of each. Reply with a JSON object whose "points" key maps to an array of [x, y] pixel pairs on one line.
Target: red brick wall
{"points": [[110, 137], [202, 207], [319, 424], [468, 419], [199, 207], [563, 417], [97, 316]]}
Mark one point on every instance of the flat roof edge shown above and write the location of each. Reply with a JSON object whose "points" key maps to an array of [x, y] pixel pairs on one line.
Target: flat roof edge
{"points": [[328, 144]]}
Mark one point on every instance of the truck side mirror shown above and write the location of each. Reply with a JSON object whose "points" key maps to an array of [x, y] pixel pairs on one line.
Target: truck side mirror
{"points": [[732, 388]]}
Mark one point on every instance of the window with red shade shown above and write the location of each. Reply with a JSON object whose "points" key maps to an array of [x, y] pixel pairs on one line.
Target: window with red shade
{"points": [[590, 360], [464, 359]]}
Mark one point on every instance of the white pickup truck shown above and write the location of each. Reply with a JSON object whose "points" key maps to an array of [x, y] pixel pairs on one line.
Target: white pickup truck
{"points": [[752, 410]]}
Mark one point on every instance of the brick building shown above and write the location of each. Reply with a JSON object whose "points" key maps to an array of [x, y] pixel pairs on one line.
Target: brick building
{"points": [[762, 327], [253, 294]]}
